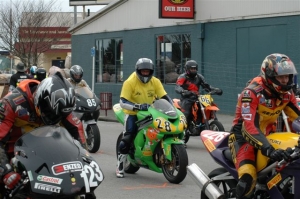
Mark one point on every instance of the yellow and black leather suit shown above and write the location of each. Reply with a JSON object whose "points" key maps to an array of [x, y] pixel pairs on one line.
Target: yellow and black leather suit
{"points": [[256, 112]]}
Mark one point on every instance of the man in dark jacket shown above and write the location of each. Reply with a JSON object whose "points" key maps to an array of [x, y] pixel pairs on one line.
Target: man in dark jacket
{"points": [[188, 85], [15, 79]]}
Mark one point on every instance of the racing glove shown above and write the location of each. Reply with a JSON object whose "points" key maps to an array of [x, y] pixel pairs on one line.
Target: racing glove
{"points": [[11, 179], [141, 107], [278, 154]]}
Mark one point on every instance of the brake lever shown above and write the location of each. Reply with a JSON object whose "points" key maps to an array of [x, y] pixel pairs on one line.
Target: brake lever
{"points": [[296, 154]]}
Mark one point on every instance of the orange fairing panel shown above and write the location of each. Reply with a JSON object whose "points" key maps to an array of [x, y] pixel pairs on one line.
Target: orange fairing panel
{"points": [[212, 108]]}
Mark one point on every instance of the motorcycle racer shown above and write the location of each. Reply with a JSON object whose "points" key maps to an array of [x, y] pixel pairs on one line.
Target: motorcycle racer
{"points": [[258, 107], [188, 85], [137, 93], [30, 105], [76, 74]]}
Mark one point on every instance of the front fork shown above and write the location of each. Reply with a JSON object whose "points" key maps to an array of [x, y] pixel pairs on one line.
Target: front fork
{"points": [[204, 116], [166, 146]]}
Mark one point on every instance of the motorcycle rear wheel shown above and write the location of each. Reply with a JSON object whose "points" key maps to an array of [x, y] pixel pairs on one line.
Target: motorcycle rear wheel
{"points": [[216, 126], [226, 186], [128, 167], [175, 171], [93, 138]]}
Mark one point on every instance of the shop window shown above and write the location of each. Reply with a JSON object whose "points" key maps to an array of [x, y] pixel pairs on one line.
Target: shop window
{"points": [[109, 60], [172, 51]]}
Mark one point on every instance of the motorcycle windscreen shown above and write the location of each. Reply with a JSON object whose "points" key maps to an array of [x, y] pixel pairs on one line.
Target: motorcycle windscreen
{"points": [[165, 107], [84, 92], [54, 163]]}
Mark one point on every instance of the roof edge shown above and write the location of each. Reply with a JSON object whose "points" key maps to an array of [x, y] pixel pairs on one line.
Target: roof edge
{"points": [[96, 16]]}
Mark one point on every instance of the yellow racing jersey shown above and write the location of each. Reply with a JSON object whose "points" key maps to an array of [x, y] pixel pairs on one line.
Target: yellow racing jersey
{"points": [[138, 92]]}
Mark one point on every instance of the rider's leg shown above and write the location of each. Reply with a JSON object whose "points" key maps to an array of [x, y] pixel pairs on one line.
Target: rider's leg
{"points": [[243, 155], [124, 146]]}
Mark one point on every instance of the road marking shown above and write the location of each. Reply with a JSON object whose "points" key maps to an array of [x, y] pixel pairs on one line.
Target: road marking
{"points": [[149, 186]]}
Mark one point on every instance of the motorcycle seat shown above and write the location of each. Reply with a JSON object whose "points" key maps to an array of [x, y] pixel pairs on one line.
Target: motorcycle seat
{"points": [[227, 155]]}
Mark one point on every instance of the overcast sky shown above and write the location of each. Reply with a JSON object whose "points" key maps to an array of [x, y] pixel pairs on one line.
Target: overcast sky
{"points": [[66, 8]]}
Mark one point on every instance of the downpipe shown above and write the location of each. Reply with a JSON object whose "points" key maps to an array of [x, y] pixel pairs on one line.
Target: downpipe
{"points": [[204, 182]]}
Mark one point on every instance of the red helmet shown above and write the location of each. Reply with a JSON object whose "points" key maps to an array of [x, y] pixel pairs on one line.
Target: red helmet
{"points": [[275, 65]]}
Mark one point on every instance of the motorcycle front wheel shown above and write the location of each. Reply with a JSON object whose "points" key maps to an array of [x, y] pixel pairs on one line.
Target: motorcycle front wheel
{"points": [[216, 126], [226, 186], [93, 138], [175, 170]]}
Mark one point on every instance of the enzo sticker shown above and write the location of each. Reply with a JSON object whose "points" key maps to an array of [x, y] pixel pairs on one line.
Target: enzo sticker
{"points": [[59, 169]]}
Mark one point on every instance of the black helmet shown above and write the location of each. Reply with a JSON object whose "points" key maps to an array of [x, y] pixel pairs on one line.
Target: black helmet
{"points": [[20, 67], [275, 65], [191, 64], [54, 99], [76, 73], [144, 64], [40, 74]]}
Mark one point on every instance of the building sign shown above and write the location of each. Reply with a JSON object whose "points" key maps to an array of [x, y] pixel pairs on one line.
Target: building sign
{"points": [[183, 9], [61, 46], [44, 32], [88, 2]]}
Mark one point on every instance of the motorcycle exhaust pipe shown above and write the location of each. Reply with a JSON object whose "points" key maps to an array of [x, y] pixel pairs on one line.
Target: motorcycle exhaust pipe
{"points": [[204, 182]]}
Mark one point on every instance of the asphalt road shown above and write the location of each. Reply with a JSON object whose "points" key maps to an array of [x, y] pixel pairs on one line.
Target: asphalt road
{"points": [[145, 183]]}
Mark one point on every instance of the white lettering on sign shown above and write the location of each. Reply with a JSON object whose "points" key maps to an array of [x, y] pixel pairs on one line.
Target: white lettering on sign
{"points": [[170, 8], [183, 9]]}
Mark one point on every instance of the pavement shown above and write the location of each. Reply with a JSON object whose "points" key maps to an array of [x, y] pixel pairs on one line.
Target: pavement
{"points": [[109, 116]]}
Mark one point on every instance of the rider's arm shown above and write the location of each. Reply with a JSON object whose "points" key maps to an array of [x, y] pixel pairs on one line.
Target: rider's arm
{"points": [[166, 97], [125, 104], [292, 108], [180, 84], [204, 84], [249, 122]]}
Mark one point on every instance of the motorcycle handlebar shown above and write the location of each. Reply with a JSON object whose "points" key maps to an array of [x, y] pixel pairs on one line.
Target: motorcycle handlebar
{"points": [[295, 154]]}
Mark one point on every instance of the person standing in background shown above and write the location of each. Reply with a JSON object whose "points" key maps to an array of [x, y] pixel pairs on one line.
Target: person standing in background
{"points": [[15, 79]]}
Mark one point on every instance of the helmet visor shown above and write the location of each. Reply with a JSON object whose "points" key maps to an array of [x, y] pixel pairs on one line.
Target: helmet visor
{"points": [[285, 68]]}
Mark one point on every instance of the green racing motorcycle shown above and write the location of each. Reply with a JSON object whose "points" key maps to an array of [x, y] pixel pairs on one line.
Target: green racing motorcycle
{"points": [[158, 145]]}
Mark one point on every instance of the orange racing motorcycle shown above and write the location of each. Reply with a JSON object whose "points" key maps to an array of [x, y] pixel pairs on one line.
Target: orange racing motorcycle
{"points": [[204, 112]]}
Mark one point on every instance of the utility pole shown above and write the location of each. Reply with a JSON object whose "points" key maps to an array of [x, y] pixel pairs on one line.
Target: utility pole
{"points": [[10, 45]]}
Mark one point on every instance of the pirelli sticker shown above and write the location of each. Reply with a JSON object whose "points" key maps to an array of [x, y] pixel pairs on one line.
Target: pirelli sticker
{"points": [[274, 181]]}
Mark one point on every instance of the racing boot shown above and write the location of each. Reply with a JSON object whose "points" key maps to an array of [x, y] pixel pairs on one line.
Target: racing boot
{"points": [[120, 166]]}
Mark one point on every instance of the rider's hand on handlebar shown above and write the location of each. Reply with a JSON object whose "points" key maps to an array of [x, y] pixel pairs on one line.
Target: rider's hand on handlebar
{"points": [[141, 107], [279, 154], [218, 91], [11, 179]]}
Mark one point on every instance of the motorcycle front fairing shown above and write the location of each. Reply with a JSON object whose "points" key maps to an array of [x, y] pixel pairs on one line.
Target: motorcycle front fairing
{"points": [[86, 100], [216, 143], [56, 164], [163, 122]]}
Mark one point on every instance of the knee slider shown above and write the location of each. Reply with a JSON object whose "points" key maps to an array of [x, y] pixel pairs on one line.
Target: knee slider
{"points": [[244, 186]]}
